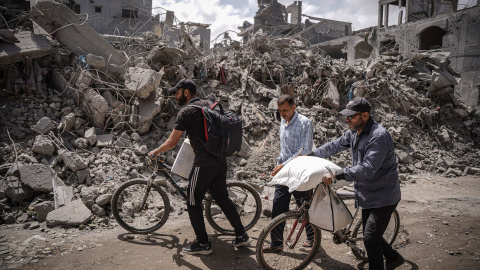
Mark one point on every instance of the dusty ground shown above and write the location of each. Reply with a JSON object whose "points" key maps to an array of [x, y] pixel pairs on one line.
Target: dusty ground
{"points": [[440, 229]]}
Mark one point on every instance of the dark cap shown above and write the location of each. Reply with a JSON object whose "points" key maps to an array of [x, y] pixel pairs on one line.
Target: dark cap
{"points": [[358, 104], [183, 83]]}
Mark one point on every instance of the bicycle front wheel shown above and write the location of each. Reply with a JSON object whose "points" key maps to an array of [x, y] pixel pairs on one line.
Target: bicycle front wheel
{"points": [[389, 235], [139, 210], [247, 202], [293, 255]]}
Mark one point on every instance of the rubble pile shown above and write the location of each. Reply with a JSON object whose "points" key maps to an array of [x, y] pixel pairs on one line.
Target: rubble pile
{"points": [[72, 131]]}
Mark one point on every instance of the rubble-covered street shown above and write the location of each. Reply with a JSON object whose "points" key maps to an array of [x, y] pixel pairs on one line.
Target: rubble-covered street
{"points": [[80, 113]]}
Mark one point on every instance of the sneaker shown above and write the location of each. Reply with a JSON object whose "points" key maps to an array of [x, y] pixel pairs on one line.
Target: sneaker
{"points": [[398, 262], [241, 240], [271, 249], [197, 248]]}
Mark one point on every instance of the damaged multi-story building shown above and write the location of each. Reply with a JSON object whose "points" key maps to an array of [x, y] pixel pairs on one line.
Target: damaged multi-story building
{"points": [[423, 25], [273, 18]]}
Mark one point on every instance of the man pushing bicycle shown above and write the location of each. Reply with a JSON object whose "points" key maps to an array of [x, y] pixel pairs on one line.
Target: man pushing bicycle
{"points": [[209, 172]]}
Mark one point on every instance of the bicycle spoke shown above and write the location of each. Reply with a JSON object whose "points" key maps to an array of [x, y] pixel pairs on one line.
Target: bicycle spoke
{"points": [[138, 211], [284, 231]]}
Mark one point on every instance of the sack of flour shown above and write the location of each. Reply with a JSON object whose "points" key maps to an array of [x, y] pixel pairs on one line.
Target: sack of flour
{"points": [[304, 173]]}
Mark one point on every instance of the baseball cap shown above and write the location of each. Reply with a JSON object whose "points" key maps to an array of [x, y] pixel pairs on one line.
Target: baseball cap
{"points": [[358, 104], [183, 83]]}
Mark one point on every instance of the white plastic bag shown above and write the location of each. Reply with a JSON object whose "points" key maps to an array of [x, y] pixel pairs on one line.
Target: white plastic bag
{"points": [[304, 173], [328, 211]]}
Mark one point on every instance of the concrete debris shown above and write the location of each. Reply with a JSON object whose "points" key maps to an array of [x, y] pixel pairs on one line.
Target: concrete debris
{"points": [[72, 214], [43, 146], [36, 177], [44, 125], [141, 82], [99, 114]]}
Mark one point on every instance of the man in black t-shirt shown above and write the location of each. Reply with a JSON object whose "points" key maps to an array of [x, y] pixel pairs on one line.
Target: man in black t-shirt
{"points": [[208, 173]]}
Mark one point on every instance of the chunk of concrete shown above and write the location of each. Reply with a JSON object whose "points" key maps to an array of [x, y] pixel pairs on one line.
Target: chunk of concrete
{"points": [[83, 175], [97, 62], [44, 125], [64, 195], [72, 214], [72, 160], [90, 136], [96, 107], [330, 95], [80, 38], [104, 140], [141, 82], [42, 209], [43, 146], [147, 110], [103, 199], [37, 177], [30, 45], [67, 122], [16, 191]]}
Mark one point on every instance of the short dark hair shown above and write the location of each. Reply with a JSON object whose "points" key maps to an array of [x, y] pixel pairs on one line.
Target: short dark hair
{"points": [[285, 98]]}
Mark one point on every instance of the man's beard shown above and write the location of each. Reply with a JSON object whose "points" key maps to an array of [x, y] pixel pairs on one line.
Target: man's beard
{"points": [[182, 100]]}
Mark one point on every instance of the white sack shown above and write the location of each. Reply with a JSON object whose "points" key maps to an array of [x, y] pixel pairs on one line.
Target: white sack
{"points": [[304, 173], [328, 211]]}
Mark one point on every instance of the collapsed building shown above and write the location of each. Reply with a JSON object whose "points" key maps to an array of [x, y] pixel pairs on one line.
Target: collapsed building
{"points": [[274, 19], [422, 25], [80, 115]]}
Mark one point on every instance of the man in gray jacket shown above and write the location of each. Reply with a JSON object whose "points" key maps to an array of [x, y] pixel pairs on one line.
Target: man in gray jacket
{"points": [[375, 176]]}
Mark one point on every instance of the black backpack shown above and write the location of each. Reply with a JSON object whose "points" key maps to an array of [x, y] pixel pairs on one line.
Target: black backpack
{"points": [[223, 130]]}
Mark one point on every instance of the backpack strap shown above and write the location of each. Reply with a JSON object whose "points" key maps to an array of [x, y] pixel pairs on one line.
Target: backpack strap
{"points": [[204, 120]]}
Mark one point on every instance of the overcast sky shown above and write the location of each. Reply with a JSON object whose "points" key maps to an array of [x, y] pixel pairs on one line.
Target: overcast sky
{"points": [[223, 15]]}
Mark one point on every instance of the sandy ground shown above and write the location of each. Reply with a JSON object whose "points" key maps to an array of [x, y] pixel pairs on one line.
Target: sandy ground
{"points": [[440, 229]]}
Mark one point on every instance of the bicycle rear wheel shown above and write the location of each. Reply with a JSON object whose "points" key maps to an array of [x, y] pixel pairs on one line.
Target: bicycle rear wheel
{"points": [[293, 255], [247, 202], [389, 235], [128, 211]]}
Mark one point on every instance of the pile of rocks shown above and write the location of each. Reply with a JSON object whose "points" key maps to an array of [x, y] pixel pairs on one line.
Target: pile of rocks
{"points": [[67, 145]]}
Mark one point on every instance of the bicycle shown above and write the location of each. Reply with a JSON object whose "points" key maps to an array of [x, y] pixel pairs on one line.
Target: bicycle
{"points": [[142, 206], [293, 255]]}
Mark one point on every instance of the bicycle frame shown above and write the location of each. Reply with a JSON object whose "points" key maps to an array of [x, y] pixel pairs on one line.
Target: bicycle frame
{"points": [[343, 235], [162, 168]]}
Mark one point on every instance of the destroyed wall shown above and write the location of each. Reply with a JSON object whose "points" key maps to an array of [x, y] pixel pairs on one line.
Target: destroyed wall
{"points": [[455, 33], [116, 17], [325, 30]]}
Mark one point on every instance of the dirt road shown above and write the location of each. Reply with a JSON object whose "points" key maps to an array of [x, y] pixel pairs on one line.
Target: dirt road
{"points": [[440, 229]]}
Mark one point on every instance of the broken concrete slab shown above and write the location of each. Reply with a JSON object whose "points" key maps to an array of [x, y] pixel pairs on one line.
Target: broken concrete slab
{"points": [[141, 82], [64, 195], [43, 146], [97, 62], [96, 107], [37, 177], [16, 191], [104, 140], [72, 160], [147, 109], [103, 199], [72, 214], [90, 136], [44, 125], [30, 45], [80, 38], [67, 122], [42, 209]]}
